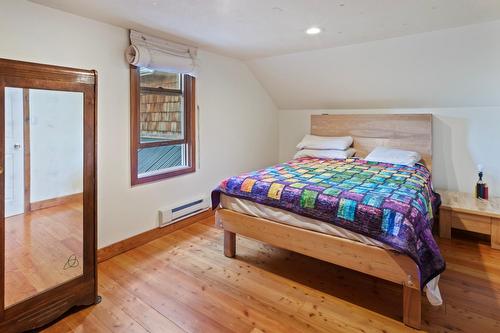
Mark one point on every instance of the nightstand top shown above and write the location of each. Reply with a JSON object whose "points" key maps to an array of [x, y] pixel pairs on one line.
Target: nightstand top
{"points": [[465, 202]]}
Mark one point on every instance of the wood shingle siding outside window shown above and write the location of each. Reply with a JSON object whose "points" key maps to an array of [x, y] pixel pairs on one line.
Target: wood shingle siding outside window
{"points": [[160, 115]]}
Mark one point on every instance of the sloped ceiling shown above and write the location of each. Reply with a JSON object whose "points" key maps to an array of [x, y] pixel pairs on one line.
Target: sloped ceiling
{"points": [[458, 67], [248, 29]]}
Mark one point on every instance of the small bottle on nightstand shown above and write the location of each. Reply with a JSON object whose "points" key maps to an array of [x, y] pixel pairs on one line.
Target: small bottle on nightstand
{"points": [[481, 190]]}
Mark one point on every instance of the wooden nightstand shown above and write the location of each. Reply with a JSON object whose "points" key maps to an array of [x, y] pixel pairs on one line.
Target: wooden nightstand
{"points": [[462, 211]]}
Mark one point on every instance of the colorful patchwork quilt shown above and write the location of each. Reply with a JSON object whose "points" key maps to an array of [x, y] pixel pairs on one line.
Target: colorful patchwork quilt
{"points": [[393, 204]]}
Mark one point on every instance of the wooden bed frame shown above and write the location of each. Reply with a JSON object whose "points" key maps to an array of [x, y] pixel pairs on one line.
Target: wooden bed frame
{"points": [[413, 132]]}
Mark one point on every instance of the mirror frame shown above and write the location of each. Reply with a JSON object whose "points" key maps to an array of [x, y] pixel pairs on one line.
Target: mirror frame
{"points": [[50, 304]]}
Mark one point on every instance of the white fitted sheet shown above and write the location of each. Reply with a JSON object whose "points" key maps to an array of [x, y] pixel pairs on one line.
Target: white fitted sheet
{"points": [[282, 216]]}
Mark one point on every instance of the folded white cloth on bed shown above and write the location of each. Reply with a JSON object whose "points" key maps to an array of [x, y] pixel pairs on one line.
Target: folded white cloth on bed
{"points": [[433, 293]]}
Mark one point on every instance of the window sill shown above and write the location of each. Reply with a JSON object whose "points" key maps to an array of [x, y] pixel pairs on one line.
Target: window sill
{"points": [[160, 176]]}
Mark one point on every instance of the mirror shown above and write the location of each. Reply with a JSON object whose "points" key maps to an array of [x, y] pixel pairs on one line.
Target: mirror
{"points": [[43, 190]]}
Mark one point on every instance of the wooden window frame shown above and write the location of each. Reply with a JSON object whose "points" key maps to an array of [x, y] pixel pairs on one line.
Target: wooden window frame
{"points": [[189, 85]]}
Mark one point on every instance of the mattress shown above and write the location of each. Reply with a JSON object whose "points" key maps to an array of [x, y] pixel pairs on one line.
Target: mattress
{"points": [[289, 218]]}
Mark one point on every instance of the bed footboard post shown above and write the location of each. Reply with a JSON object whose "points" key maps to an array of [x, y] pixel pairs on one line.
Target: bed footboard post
{"points": [[229, 244], [412, 306]]}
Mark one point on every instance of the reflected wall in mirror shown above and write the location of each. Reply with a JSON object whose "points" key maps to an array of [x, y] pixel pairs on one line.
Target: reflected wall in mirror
{"points": [[43, 190]]}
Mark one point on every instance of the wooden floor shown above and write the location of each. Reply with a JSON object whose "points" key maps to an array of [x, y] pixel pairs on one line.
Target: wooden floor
{"points": [[183, 283], [37, 246]]}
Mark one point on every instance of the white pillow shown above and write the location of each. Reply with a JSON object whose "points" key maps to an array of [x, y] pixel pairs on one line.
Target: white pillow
{"points": [[394, 156], [326, 153], [325, 142]]}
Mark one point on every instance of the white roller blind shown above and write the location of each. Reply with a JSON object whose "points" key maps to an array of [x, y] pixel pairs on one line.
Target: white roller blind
{"points": [[159, 54]]}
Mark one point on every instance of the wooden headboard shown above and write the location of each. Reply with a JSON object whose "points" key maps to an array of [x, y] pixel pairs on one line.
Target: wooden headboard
{"points": [[404, 131]]}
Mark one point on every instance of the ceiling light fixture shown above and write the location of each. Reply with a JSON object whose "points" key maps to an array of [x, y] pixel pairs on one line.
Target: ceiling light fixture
{"points": [[313, 31]]}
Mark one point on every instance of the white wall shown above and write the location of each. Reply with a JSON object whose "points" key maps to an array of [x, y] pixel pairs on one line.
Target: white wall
{"points": [[462, 138], [457, 67], [237, 119], [56, 143]]}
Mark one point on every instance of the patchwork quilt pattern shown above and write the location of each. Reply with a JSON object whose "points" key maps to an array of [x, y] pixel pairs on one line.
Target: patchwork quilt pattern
{"points": [[391, 203]]}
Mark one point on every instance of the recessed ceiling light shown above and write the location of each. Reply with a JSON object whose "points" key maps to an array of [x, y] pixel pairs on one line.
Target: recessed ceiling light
{"points": [[313, 31]]}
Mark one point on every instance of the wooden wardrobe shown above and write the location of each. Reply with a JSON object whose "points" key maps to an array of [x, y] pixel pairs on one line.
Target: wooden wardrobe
{"points": [[48, 183]]}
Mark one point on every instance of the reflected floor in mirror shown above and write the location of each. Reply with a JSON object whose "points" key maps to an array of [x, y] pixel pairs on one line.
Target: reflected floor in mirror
{"points": [[39, 246]]}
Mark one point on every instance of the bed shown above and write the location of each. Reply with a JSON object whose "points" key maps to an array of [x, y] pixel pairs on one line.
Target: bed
{"points": [[372, 217]]}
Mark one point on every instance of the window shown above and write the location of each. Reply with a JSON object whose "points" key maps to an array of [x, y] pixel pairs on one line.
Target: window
{"points": [[162, 124]]}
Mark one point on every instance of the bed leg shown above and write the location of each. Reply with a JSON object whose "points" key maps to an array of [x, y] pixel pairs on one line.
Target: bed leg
{"points": [[229, 244], [412, 307]]}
